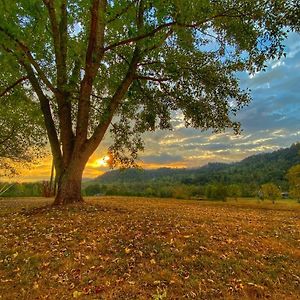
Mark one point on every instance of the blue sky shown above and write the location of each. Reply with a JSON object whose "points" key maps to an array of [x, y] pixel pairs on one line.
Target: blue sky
{"points": [[270, 122]]}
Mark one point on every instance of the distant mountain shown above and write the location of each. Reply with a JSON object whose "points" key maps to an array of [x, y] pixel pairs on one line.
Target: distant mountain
{"points": [[140, 175], [256, 169]]}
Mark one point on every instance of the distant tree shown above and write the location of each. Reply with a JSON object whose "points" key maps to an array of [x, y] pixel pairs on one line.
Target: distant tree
{"points": [[209, 191], [22, 134], [149, 191], [234, 190], [293, 176], [294, 192], [221, 192], [180, 191], [22, 190], [216, 192], [270, 191], [103, 189], [92, 190], [165, 192]]}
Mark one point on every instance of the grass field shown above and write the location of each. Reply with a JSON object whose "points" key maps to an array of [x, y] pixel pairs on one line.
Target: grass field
{"points": [[137, 248]]}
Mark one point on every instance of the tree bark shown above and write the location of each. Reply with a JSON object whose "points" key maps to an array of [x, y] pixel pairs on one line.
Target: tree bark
{"points": [[52, 182], [69, 185]]}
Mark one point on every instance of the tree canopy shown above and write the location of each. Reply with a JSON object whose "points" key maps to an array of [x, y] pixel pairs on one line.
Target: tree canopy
{"points": [[270, 191], [293, 175], [131, 65], [22, 135]]}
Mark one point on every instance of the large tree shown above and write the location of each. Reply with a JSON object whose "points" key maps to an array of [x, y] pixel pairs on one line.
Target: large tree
{"points": [[130, 65]]}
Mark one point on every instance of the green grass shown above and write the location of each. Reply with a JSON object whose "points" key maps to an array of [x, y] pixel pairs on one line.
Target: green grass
{"points": [[138, 248]]}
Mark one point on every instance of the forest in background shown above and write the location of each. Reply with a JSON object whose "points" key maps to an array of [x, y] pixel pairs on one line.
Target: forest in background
{"points": [[214, 180]]}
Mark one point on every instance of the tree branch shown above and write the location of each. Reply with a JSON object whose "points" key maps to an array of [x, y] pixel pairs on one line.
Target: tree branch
{"points": [[122, 57], [64, 106], [139, 37], [167, 25], [63, 30], [60, 40], [9, 136], [46, 110], [95, 52], [145, 63], [30, 58], [122, 12], [55, 31], [96, 37], [121, 91], [13, 85], [156, 46], [107, 116], [150, 78]]}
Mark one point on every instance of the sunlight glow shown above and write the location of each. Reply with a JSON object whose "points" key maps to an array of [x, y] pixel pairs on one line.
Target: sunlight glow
{"points": [[102, 162]]}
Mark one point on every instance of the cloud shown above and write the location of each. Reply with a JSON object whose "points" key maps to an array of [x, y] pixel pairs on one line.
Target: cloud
{"points": [[162, 158]]}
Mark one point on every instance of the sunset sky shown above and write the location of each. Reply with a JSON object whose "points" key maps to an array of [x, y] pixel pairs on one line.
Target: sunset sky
{"points": [[270, 122]]}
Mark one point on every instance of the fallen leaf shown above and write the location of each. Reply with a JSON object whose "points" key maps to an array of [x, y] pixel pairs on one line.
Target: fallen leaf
{"points": [[77, 294]]}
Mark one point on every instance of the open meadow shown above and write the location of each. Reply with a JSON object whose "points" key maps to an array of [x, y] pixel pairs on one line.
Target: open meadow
{"points": [[138, 248]]}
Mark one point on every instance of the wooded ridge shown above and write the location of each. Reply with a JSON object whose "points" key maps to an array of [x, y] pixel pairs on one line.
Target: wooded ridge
{"points": [[255, 169]]}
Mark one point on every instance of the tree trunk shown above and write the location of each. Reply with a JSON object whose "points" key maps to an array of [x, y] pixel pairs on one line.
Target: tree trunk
{"points": [[69, 186], [52, 183]]}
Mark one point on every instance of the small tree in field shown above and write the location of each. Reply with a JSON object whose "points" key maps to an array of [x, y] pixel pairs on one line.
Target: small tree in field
{"points": [[295, 193], [131, 65], [234, 190], [293, 176], [216, 192], [270, 191]]}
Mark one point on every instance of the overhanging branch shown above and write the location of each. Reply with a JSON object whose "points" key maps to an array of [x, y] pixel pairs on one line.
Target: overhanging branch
{"points": [[169, 25], [139, 37], [107, 116], [122, 12], [94, 54], [13, 85], [59, 35], [9, 136], [150, 78], [30, 58], [46, 110]]}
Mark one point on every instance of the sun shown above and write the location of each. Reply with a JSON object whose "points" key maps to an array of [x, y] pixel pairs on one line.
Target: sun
{"points": [[103, 161]]}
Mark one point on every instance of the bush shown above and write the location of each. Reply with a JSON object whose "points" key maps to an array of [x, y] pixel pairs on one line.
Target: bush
{"points": [[92, 190], [216, 192]]}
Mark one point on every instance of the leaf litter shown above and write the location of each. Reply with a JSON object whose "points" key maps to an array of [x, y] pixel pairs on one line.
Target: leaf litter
{"points": [[138, 248]]}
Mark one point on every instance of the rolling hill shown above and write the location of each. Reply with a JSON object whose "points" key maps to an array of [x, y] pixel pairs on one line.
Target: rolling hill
{"points": [[256, 169]]}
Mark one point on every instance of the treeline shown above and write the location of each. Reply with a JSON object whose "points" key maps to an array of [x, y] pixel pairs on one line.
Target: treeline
{"points": [[213, 181], [254, 170], [215, 191], [34, 189], [179, 191], [26, 189]]}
